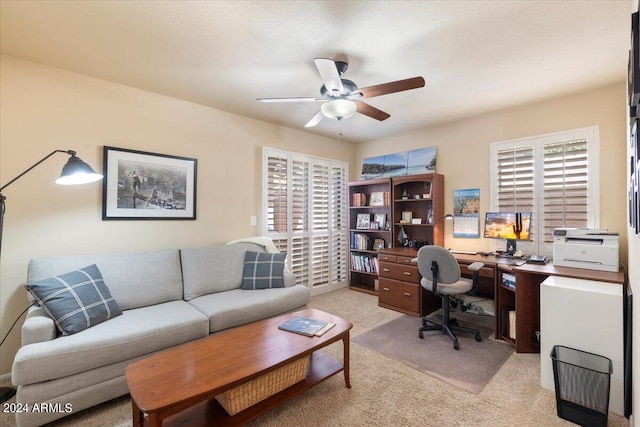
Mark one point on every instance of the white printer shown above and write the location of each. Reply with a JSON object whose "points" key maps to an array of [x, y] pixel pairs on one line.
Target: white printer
{"points": [[591, 248]]}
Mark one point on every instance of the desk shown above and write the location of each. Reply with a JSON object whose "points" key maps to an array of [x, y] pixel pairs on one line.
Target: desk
{"points": [[525, 298]]}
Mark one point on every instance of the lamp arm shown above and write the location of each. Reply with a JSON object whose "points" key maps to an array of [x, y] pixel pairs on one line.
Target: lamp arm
{"points": [[70, 152], [433, 228]]}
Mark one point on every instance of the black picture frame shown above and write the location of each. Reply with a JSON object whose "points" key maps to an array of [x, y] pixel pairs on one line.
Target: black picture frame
{"points": [[139, 185], [634, 62]]}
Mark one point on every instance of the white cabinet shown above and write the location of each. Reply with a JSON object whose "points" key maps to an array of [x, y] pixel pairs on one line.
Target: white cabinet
{"points": [[585, 315]]}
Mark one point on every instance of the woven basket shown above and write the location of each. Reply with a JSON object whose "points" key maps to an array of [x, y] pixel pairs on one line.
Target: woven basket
{"points": [[245, 395]]}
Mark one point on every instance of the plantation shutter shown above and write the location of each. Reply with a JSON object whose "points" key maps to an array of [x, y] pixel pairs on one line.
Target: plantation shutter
{"points": [[555, 176], [305, 200], [515, 172], [338, 224], [321, 206], [300, 221], [277, 176], [565, 186]]}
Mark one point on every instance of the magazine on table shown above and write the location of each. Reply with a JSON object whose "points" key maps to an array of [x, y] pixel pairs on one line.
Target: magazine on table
{"points": [[306, 326]]}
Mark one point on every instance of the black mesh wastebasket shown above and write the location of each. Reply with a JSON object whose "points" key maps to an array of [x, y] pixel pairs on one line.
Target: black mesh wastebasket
{"points": [[582, 381]]}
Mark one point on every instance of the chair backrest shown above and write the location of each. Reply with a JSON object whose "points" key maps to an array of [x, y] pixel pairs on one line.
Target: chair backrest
{"points": [[448, 268]]}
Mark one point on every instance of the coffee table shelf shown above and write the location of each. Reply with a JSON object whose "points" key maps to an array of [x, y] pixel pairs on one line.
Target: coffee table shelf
{"points": [[321, 367]]}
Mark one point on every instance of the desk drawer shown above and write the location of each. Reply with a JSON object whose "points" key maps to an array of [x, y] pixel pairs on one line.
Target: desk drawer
{"points": [[402, 295], [388, 258], [406, 273], [405, 260]]}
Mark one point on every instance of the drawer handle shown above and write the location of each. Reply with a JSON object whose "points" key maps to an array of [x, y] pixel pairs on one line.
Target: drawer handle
{"points": [[386, 270], [407, 294], [407, 273], [385, 289]]}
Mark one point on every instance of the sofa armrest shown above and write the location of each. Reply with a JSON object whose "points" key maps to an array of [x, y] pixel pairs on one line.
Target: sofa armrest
{"points": [[38, 327], [289, 279]]}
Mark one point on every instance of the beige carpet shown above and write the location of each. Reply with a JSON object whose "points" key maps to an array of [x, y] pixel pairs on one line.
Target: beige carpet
{"points": [[385, 392], [469, 368]]}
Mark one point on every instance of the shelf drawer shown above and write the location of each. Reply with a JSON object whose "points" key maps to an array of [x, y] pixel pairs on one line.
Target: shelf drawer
{"points": [[406, 273], [405, 296]]}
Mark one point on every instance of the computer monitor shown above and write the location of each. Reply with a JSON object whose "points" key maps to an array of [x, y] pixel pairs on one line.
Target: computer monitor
{"points": [[512, 226]]}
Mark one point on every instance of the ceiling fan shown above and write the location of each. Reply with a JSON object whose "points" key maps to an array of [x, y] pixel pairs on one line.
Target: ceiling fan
{"points": [[341, 97]]}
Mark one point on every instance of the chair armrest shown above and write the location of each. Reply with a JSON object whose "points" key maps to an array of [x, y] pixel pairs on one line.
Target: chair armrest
{"points": [[476, 266], [38, 327], [414, 260]]}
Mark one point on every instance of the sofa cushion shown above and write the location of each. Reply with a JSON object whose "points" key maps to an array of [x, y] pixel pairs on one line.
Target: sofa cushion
{"points": [[263, 270], [135, 279], [238, 307], [211, 269], [135, 333], [76, 300]]}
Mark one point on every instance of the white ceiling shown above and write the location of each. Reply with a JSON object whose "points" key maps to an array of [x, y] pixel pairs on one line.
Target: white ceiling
{"points": [[475, 56]]}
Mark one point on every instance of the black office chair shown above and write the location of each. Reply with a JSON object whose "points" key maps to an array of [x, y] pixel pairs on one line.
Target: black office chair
{"points": [[441, 275]]}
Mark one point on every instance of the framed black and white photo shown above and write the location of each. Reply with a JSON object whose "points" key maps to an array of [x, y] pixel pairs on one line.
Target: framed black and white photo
{"points": [[143, 185]]}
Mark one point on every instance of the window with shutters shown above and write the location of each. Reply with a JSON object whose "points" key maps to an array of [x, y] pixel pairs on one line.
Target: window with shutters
{"points": [[555, 176], [305, 214]]}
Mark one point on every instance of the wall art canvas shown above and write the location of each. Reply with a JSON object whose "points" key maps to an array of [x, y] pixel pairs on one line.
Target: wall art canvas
{"points": [[414, 162], [143, 185]]}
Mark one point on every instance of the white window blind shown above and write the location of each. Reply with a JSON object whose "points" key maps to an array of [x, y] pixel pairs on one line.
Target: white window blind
{"points": [[305, 213], [553, 176]]}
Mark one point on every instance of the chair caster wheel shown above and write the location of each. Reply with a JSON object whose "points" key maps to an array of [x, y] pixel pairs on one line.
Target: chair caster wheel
{"points": [[454, 322], [478, 337], [420, 335], [456, 346]]}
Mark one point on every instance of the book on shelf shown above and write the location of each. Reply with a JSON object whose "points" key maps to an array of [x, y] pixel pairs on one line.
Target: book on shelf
{"points": [[364, 263], [358, 200], [512, 324], [306, 326], [359, 242], [509, 280]]}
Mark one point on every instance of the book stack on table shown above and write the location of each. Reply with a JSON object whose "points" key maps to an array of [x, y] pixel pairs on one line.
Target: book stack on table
{"points": [[306, 326]]}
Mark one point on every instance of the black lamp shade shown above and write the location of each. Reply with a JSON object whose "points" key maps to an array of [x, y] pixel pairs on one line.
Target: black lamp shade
{"points": [[77, 172]]}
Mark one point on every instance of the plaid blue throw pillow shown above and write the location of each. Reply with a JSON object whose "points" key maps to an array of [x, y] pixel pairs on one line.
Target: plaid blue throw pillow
{"points": [[77, 300], [263, 270]]}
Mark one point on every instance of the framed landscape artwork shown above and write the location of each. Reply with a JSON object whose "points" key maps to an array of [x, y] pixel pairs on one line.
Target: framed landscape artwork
{"points": [[142, 185]]}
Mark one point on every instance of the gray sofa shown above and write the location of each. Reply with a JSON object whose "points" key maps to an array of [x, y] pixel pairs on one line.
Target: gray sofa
{"points": [[167, 298]]}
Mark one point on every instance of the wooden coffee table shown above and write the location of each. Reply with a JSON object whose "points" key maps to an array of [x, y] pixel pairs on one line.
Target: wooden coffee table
{"points": [[178, 386]]}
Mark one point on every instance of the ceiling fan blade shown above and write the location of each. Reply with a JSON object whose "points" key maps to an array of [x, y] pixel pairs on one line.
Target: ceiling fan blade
{"points": [[391, 87], [330, 76], [292, 99], [371, 111], [315, 119]]}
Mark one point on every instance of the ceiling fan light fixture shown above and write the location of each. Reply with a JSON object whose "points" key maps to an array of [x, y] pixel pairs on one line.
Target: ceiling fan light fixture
{"points": [[339, 108]]}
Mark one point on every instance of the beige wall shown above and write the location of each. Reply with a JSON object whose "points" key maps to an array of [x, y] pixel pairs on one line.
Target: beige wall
{"points": [[463, 150], [43, 109]]}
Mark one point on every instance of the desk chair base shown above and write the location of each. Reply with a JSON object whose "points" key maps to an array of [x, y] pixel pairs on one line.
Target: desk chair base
{"points": [[446, 326]]}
